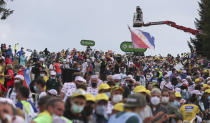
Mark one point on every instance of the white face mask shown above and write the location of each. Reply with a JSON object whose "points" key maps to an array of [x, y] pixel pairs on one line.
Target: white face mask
{"points": [[165, 99], [54, 116], [16, 81], [8, 117], [155, 100], [42, 75], [117, 98]]}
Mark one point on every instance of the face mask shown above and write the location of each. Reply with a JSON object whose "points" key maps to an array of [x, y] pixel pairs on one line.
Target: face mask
{"points": [[53, 77], [165, 99], [101, 110], [9, 118], [208, 98], [199, 98], [108, 94], [184, 91], [117, 98], [177, 104], [155, 100], [94, 85], [202, 92], [79, 86], [36, 89], [54, 116], [42, 75], [77, 109], [118, 84], [16, 81]]}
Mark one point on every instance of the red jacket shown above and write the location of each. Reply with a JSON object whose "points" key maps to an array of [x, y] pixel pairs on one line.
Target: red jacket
{"points": [[10, 82]]}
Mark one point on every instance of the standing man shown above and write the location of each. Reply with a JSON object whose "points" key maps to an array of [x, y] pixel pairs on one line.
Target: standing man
{"points": [[53, 82]]}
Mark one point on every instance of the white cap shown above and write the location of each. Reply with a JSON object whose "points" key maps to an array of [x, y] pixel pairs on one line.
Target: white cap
{"points": [[7, 100], [166, 76], [188, 77], [64, 60], [116, 77], [177, 89], [94, 77], [52, 73], [88, 60], [196, 92], [129, 77], [184, 71], [79, 78], [178, 77], [169, 86], [41, 59], [208, 78], [208, 82], [21, 77], [53, 92]]}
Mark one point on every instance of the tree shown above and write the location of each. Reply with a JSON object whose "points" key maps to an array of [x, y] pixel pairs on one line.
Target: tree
{"points": [[201, 43], [4, 12]]}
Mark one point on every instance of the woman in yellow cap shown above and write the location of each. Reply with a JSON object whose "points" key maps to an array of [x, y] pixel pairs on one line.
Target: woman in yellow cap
{"points": [[116, 97], [74, 107], [100, 115], [90, 104]]}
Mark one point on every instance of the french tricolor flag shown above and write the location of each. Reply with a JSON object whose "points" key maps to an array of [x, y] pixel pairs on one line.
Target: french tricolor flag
{"points": [[142, 39]]}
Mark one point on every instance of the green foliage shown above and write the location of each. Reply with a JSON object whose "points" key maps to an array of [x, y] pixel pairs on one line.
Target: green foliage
{"points": [[4, 12], [201, 43]]}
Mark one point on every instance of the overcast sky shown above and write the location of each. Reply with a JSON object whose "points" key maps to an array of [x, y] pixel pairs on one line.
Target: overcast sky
{"points": [[58, 24]]}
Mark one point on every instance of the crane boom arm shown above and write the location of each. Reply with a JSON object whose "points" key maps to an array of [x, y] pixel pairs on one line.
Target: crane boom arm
{"points": [[173, 24]]}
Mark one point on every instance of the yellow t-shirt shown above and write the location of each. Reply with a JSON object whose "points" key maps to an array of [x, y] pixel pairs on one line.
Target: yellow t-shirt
{"points": [[43, 117], [1, 73], [189, 111]]}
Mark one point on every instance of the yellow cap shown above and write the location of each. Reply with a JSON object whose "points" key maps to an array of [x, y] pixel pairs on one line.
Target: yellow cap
{"points": [[79, 92], [156, 68], [140, 89], [148, 92], [197, 80], [207, 91], [117, 87], [119, 107], [103, 86], [205, 85], [102, 96], [205, 71], [177, 94], [90, 97], [179, 71]]}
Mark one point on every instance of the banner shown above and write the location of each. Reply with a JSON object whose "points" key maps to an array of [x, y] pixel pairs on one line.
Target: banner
{"points": [[127, 46], [87, 43]]}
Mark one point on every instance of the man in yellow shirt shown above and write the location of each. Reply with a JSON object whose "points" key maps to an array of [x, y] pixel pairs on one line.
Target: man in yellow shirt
{"points": [[51, 110], [189, 111]]}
